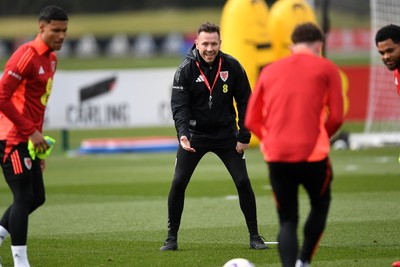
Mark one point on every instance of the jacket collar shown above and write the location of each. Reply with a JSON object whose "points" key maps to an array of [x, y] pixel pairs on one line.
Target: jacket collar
{"points": [[39, 45]]}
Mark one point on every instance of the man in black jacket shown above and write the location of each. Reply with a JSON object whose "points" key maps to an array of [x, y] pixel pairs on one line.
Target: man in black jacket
{"points": [[204, 89]]}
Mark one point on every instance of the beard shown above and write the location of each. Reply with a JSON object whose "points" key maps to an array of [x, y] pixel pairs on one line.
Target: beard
{"points": [[392, 65]]}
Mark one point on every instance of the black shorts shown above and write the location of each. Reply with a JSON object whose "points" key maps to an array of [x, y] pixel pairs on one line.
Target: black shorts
{"points": [[316, 177], [17, 163]]}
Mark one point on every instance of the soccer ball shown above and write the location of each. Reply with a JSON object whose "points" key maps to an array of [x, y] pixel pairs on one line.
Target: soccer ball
{"points": [[239, 262]]}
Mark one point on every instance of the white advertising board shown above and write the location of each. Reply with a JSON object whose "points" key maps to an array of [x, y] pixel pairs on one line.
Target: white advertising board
{"points": [[110, 99]]}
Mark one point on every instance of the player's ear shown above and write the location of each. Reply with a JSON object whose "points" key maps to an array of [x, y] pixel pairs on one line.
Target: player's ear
{"points": [[318, 48], [291, 47], [42, 24]]}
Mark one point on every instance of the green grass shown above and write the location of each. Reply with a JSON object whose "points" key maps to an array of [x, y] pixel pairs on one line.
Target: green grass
{"points": [[111, 210], [98, 63]]}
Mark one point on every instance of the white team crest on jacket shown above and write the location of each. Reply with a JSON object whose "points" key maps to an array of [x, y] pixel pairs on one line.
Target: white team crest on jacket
{"points": [[224, 75], [28, 163]]}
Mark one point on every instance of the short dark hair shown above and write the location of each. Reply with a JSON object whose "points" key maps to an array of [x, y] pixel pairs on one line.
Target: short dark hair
{"points": [[208, 27], [307, 33], [390, 31], [50, 13]]}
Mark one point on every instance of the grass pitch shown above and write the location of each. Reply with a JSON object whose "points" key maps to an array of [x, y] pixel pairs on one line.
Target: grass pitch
{"points": [[111, 210]]}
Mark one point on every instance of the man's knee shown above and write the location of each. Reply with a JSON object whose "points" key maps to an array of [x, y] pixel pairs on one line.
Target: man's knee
{"points": [[24, 200], [39, 201], [242, 183], [321, 205]]}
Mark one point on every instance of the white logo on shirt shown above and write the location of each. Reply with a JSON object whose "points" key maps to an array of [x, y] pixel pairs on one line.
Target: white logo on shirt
{"points": [[395, 81], [41, 70], [199, 79], [15, 75]]}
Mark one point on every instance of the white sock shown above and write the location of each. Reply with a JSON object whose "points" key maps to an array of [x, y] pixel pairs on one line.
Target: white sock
{"points": [[20, 256], [300, 263], [3, 234]]}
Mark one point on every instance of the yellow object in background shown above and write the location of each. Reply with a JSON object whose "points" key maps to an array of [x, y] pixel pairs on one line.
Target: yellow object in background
{"points": [[257, 35], [284, 15], [244, 35], [345, 89]]}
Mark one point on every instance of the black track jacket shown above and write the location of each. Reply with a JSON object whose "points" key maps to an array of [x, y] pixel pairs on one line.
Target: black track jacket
{"points": [[190, 98]]}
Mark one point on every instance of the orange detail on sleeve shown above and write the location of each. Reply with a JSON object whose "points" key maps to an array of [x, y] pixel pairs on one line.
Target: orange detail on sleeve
{"points": [[26, 57], [322, 144]]}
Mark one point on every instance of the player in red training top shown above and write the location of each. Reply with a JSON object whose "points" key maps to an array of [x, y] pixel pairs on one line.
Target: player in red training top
{"points": [[387, 40], [297, 105], [24, 90]]}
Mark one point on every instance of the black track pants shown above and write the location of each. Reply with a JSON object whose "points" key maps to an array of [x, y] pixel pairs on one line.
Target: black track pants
{"points": [[25, 179], [235, 163], [285, 179]]}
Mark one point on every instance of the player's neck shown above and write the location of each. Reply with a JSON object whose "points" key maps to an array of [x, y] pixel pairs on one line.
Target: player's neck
{"points": [[306, 48]]}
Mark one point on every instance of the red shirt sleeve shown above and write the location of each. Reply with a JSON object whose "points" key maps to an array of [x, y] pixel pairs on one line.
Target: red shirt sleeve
{"points": [[254, 117], [14, 76], [335, 102]]}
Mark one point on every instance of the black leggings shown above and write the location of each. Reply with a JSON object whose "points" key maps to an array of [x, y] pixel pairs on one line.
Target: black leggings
{"points": [[285, 179], [28, 192], [186, 162]]}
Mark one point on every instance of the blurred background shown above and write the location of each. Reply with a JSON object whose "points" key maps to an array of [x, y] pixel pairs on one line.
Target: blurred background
{"points": [[135, 35], [20, 7], [157, 27]]}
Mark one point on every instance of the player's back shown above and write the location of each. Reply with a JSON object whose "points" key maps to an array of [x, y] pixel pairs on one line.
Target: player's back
{"points": [[295, 99]]}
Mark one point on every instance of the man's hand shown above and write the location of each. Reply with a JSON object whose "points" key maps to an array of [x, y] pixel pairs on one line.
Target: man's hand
{"points": [[240, 147], [38, 141], [185, 144]]}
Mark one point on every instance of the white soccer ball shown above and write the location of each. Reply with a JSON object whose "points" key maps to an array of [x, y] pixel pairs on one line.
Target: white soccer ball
{"points": [[239, 262]]}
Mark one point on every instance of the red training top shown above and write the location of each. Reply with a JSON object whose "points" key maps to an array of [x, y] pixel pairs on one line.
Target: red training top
{"points": [[24, 90], [296, 106]]}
